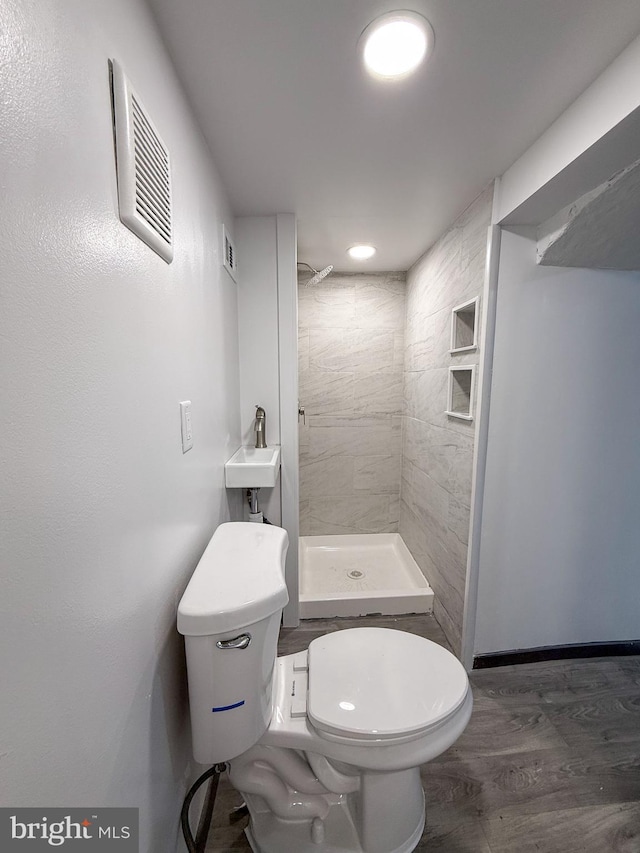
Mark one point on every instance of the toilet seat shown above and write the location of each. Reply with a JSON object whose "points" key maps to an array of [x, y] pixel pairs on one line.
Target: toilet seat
{"points": [[381, 686]]}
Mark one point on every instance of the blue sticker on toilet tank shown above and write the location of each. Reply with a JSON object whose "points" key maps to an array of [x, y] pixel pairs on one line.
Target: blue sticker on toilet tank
{"points": [[227, 707]]}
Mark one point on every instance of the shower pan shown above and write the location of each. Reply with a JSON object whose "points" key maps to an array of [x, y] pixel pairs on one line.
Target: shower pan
{"points": [[360, 575]]}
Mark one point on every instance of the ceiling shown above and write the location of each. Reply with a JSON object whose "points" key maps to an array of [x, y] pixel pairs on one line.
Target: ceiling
{"points": [[295, 125]]}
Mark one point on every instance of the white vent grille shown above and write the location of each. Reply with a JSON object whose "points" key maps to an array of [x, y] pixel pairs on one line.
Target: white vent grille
{"points": [[229, 254], [143, 169]]}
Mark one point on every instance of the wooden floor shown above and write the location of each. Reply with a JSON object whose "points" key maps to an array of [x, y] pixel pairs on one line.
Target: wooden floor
{"points": [[550, 761]]}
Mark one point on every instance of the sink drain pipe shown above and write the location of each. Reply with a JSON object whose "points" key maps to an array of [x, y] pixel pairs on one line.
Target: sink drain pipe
{"points": [[254, 509]]}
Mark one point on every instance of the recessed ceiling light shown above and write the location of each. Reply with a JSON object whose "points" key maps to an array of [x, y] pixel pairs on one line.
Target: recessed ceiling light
{"points": [[395, 44], [361, 253]]}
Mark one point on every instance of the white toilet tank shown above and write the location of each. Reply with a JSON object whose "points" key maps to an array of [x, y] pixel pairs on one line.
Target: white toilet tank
{"points": [[230, 615]]}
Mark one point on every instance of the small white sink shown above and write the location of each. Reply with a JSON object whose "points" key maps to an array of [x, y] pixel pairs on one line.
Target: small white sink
{"points": [[253, 468]]}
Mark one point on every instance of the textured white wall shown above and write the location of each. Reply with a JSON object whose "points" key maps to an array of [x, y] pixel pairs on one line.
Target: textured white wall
{"points": [[103, 517], [437, 450], [350, 357], [560, 535]]}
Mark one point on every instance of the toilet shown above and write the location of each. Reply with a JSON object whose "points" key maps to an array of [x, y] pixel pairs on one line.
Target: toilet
{"points": [[325, 745]]}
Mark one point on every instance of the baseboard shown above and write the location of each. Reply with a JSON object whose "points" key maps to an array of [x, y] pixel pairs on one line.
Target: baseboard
{"points": [[580, 650]]}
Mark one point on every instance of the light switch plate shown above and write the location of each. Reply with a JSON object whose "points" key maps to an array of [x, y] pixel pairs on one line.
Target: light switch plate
{"points": [[185, 421]]}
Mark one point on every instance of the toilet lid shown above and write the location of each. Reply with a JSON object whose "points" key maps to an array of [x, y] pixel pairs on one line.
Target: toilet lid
{"points": [[378, 683]]}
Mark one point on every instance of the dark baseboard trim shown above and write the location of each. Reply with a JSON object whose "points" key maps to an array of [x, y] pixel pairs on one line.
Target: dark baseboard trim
{"points": [[585, 650]]}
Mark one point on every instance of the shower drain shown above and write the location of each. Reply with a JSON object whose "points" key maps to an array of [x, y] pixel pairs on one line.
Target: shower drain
{"points": [[355, 575]]}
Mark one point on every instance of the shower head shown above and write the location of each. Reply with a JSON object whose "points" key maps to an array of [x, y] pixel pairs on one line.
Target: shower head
{"points": [[317, 275]]}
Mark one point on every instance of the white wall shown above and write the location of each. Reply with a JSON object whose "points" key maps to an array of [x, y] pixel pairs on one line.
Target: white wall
{"points": [[103, 517], [560, 534], [267, 321], [256, 246], [257, 250], [287, 238]]}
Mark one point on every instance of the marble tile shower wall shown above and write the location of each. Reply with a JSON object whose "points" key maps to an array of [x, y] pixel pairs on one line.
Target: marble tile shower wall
{"points": [[437, 449], [351, 361]]}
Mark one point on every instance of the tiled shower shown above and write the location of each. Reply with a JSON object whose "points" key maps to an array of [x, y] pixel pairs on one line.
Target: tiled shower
{"points": [[351, 360], [378, 453]]}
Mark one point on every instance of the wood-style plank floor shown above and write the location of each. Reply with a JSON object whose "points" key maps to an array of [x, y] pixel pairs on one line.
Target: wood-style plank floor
{"points": [[549, 763]]}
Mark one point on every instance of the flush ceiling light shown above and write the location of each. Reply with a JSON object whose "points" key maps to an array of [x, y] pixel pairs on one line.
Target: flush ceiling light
{"points": [[361, 253], [395, 44]]}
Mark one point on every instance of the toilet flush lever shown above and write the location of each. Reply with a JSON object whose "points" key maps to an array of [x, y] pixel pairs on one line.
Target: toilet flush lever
{"points": [[239, 642]]}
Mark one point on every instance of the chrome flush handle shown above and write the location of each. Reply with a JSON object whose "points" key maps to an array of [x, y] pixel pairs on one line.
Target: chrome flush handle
{"points": [[239, 642]]}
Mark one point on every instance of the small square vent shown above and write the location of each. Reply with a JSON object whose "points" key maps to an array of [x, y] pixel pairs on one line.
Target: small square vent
{"points": [[142, 166], [229, 250]]}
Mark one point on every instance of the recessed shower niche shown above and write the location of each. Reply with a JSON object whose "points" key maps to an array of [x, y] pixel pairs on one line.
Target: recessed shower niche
{"points": [[460, 396], [464, 327]]}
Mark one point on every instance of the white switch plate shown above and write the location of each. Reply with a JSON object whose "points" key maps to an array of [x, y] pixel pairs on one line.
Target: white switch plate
{"points": [[185, 420]]}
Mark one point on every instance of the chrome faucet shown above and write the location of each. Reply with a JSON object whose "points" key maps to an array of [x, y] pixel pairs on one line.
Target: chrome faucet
{"points": [[260, 427]]}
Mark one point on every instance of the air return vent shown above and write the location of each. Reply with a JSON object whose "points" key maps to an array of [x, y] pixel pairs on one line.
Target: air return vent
{"points": [[142, 165], [229, 253]]}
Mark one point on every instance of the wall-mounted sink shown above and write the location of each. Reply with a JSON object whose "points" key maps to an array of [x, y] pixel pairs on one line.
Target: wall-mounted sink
{"points": [[253, 468]]}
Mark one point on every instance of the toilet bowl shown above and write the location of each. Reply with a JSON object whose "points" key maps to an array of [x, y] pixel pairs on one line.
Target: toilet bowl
{"points": [[325, 745]]}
